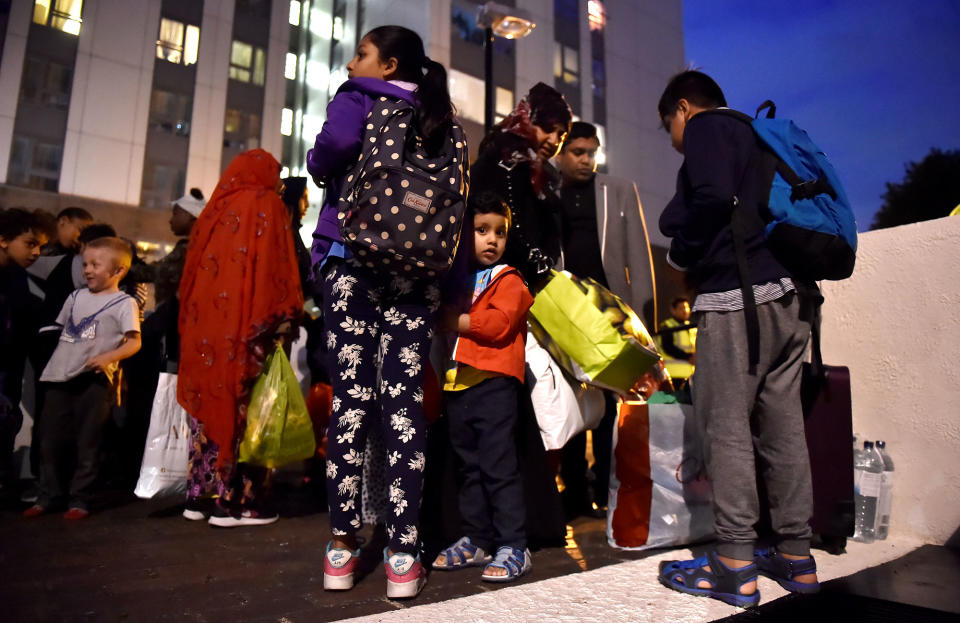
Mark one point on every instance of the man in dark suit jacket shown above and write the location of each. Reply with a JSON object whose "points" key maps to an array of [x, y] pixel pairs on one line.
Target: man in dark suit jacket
{"points": [[604, 237], [748, 407]]}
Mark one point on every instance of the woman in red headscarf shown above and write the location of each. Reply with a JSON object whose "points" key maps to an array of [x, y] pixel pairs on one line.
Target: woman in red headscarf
{"points": [[240, 291]]}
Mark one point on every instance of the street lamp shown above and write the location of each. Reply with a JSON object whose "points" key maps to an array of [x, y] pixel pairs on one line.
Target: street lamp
{"points": [[501, 21]]}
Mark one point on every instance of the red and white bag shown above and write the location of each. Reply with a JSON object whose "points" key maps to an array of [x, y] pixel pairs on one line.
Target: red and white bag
{"points": [[659, 493]]}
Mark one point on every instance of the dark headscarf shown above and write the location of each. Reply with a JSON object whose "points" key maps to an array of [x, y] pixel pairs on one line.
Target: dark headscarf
{"points": [[543, 106]]}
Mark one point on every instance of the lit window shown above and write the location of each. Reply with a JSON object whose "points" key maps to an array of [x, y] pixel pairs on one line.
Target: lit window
{"points": [[290, 67], [601, 152], [467, 95], [63, 14], [504, 103], [259, 66], [294, 12], [566, 64], [247, 63], [191, 47], [178, 43], [596, 15], [338, 28], [286, 122]]}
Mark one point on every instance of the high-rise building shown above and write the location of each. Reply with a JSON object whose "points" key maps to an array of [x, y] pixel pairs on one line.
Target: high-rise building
{"points": [[119, 106]]}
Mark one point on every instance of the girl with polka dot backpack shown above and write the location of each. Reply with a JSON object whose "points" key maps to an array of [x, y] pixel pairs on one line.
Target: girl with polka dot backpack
{"points": [[394, 161]]}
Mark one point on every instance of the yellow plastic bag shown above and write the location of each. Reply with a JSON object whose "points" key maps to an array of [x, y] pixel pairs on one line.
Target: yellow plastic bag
{"points": [[279, 430]]}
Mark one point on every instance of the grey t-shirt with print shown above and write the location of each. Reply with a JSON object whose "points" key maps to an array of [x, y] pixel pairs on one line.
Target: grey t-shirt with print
{"points": [[93, 324]]}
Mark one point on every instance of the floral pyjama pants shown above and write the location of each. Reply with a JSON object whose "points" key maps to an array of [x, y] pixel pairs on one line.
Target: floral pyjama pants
{"points": [[378, 333]]}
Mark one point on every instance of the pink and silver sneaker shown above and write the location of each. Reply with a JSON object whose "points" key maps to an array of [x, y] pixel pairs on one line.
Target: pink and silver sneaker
{"points": [[338, 567], [405, 575]]}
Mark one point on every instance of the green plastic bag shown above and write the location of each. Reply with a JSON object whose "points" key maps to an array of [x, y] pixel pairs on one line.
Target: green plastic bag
{"points": [[592, 333], [279, 430]]}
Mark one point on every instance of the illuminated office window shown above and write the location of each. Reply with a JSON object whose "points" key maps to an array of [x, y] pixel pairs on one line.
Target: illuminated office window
{"points": [[248, 63], [178, 43], [286, 121], [290, 67], [294, 13], [63, 15], [566, 64]]}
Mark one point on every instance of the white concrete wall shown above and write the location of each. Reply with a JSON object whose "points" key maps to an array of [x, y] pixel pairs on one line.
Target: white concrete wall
{"points": [[896, 324], [110, 101], [11, 72], [644, 48], [275, 88], [210, 96]]}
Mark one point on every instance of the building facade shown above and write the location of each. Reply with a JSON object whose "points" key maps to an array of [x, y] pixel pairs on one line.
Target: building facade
{"points": [[119, 106]]}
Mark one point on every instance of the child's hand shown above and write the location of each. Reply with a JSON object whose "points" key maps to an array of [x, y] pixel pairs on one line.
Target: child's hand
{"points": [[447, 318], [99, 363]]}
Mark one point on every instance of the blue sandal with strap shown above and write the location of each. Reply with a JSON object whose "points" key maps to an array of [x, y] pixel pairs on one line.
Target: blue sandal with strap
{"points": [[462, 554], [783, 570], [515, 561], [725, 582]]}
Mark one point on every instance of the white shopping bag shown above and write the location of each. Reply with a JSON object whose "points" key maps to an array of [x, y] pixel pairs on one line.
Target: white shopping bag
{"points": [[659, 492], [164, 468], [563, 407]]}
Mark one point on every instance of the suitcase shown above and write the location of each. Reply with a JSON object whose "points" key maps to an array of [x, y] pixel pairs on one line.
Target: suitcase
{"points": [[828, 420]]}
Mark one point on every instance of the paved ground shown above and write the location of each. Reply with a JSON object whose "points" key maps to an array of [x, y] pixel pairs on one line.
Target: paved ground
{"points": [[140, 561]]}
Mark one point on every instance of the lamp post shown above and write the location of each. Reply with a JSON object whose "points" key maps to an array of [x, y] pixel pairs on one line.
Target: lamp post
{"points": [[498, 20]]}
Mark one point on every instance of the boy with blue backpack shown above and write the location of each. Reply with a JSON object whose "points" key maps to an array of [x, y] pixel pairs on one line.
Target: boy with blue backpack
{"points": [[753, 319]]}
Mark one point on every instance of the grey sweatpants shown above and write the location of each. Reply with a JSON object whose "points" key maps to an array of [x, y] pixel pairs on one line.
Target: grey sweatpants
{"points": [[739, 413]]}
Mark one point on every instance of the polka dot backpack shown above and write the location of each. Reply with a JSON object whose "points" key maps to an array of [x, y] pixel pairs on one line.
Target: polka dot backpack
{"points": [[402, 208]]}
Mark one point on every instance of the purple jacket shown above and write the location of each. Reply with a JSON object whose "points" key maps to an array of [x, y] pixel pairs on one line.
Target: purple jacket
{"points": [[337, 147]]}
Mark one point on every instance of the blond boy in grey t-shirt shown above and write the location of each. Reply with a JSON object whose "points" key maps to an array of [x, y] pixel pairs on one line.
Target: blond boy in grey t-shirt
{"points": [[101, 327]]}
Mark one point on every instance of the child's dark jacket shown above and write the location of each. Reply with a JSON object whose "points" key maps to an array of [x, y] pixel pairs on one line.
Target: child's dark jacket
{"points": [[720, 162], [496, 339]]}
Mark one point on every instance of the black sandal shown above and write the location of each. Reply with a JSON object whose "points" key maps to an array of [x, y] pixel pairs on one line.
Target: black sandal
{"points": [[782, 570], [725, 582]]}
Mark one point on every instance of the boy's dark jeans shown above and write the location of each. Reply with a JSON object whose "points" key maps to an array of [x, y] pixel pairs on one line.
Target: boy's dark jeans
{"points": [[483, 421], [74, 414]]}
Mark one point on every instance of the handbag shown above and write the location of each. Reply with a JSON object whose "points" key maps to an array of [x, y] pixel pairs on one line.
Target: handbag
{"points": [[166, 453], [659, 492], [278, 429], [592, 333], [563, 407]]}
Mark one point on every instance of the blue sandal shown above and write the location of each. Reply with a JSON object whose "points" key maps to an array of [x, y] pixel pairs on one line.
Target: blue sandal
{"points": [[782, 570], [725, 582], [516, 561], [462, 554]]}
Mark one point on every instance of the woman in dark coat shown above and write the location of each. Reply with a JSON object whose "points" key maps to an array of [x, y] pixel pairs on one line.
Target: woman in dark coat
{"points": [[514, 163]]}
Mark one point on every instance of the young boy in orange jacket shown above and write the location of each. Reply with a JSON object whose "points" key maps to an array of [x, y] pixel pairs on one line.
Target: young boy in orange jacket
{"points": [[480, 396]]}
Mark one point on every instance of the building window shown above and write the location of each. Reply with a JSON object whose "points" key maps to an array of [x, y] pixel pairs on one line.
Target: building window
{"points": [[241, 129], [60, 14], [247, 63], [162, 183], [286, 121], [468, 96], [566, 64], [171, 112], [178, 43], [596, 15], [35, 164], [46, 83], [294, 13], [290, 67]]}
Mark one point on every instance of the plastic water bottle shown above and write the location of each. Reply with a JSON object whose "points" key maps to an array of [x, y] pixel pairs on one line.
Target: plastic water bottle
{"points": [[867, 475], [885, 500]]}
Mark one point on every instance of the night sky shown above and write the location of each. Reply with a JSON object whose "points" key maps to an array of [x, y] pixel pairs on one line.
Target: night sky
{"points": [[875, 84]]}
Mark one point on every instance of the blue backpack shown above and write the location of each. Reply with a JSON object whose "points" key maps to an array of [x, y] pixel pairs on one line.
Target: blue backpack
{"points": [[810, 226]]}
